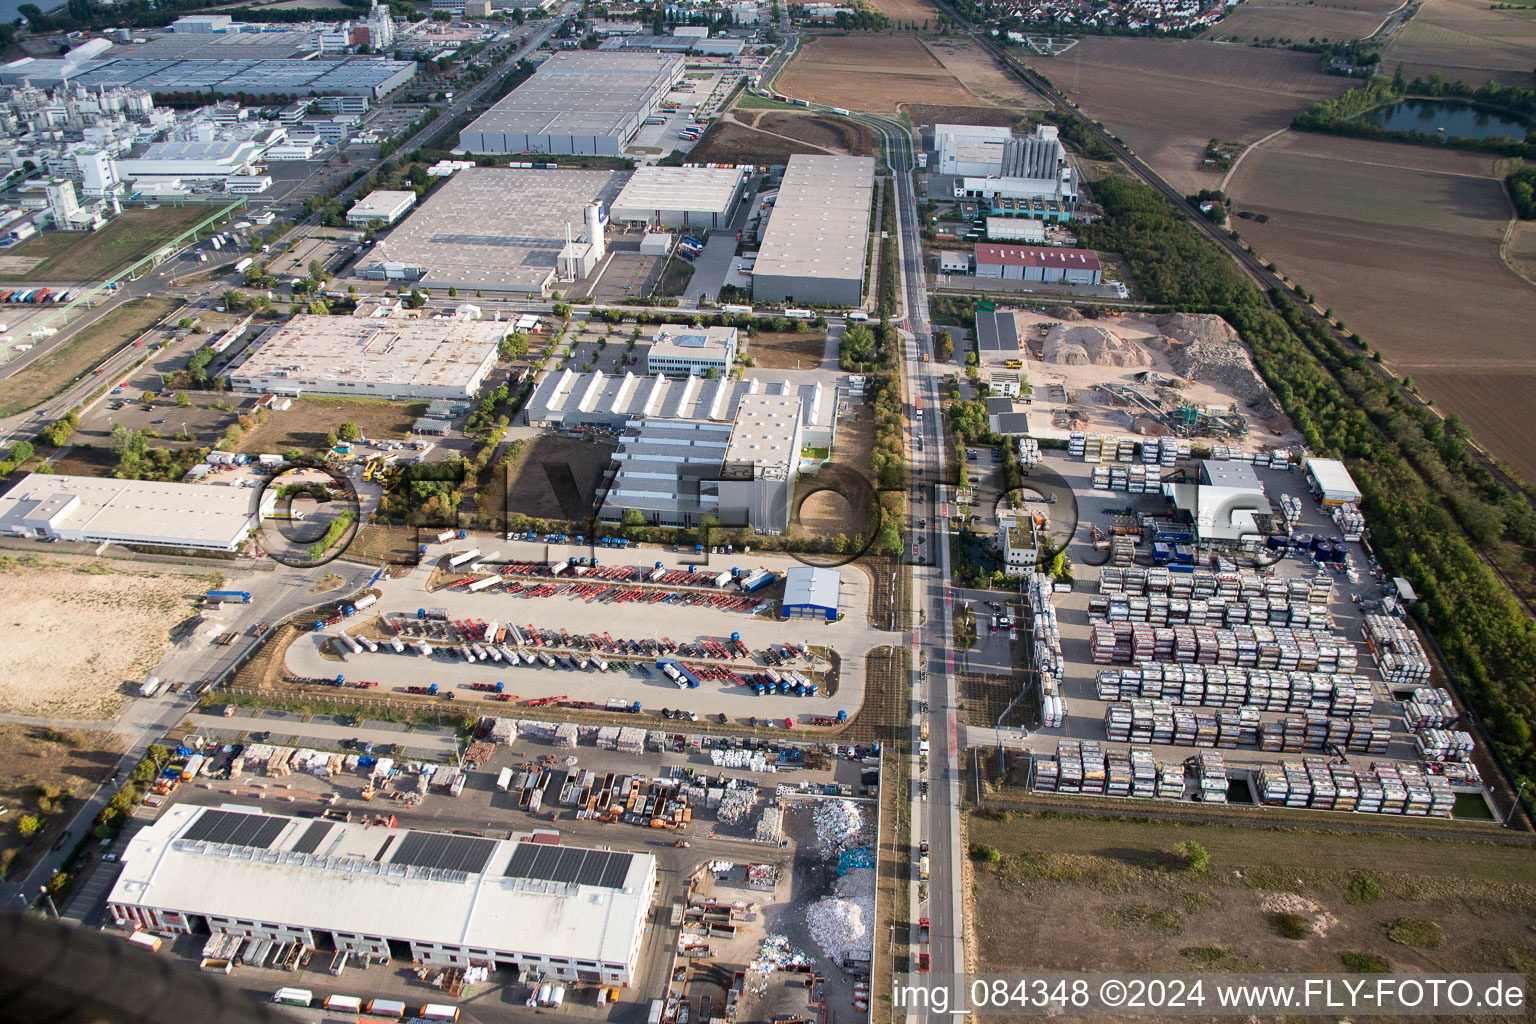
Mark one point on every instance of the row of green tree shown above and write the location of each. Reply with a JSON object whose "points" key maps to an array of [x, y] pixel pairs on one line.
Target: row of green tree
{"points": [[1427, 501], [1522, 191]]}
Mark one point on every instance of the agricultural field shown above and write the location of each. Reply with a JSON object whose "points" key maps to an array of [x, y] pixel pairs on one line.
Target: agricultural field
{"points": [[305, 424], [728, 142], [877, 73], [69, 256], [1332, 23], [906, 10], [58, 367], [81, 632], [1403, 242], [1159, 95], [1267, 901], [1467, 40], [928, 114], [982, 75]]}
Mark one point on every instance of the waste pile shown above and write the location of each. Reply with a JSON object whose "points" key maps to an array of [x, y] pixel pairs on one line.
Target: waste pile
{"points": [[769, 825], [736, 805], [751, 760], [841, 924], [776, 953], [838, 823]]}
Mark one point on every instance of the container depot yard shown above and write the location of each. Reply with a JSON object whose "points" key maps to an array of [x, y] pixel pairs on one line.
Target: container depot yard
{"points": [[311, 656]]}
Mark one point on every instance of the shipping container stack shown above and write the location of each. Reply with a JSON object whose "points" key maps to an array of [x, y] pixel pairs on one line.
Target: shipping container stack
{"points": [[1049, 662], [1443, 744], [1047, 773], [1350, 522], [1076, 444], [1397, 650], [1211, 777]]}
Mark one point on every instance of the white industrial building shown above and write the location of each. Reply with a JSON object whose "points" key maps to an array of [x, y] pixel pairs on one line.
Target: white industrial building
{"points": [[1016, 229], [1046, 264], [103, 510], [1331, 482], [702, 197], [969, 149], [742, 473], [993, 163], [818, 233], [395, 357], [1225, 505], [698, 351], [564, 912], [580, 102], [501, 230], [381, 205], [217, 159]]}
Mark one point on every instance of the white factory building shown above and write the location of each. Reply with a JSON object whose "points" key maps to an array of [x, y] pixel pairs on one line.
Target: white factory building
{"points": [[818, 232], [993, 163], [103, 510], [216, 159], [743, 472], [702, 197], [698, 351], [579, 102], [390, 357], [445, 900], [501, 230], [381, 205], [1046, 264]]}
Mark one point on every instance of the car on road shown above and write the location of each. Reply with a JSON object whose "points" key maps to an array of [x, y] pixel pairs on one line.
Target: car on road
{"points": [[109, 858], [158, 422], [922, 847], [229, 711], [924, 963], [58, 844]]}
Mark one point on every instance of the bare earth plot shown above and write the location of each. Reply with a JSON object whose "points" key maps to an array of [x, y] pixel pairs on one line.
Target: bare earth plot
{"points": [[727, 142], [79, 632], [830, 133], [1465, 39], [305, 425], [906, 10], [1075, 891], [982, 75], [1168, 98], [1403, 244], [1282, 22], [877, 73]]}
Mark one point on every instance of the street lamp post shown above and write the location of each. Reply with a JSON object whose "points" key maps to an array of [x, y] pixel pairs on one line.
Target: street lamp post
{"points": [[55, 910]]}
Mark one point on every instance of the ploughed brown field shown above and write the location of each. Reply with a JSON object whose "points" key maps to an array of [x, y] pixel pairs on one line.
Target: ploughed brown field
{"points": [[1467, 40], [1333, 23], [907, 10], [727, 142], [1168, 98], [834, 134], [885, 72], [1403, 243]]}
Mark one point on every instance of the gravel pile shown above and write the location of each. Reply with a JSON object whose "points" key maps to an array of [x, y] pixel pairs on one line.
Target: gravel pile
{"points": [[838, 823], [1206, 349], [841, 924], [1092, 346]]}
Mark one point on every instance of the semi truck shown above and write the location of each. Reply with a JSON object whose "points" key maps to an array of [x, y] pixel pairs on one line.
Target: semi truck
{"points": [[228, 596]]}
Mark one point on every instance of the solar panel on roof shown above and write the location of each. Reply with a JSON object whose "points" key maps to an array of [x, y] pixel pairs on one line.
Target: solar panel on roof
{"points": [[538, 862], [236, 829], [450, 853], [309, 842]]}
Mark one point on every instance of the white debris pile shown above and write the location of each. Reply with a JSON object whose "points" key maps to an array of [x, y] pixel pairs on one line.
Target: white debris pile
{"points": [[777, 953], [841, 923], [736, 805], [769, 825], [751, 760], [838, 823]]}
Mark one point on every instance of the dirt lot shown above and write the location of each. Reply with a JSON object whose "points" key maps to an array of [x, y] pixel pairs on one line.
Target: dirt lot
{"points": [[57, 368], [82, 631], [832, 134], [1092, 886], [305, 425], [1404, 248], [1296, 24], [40, 767], [789, 351], [982, 75], [1156, 95], [98, 256], [878, 73], [906, 10], [730, 143], [1467, 40], [928, 114], [554, 478]]}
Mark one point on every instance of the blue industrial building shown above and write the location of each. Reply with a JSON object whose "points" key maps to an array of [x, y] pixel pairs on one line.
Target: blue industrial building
{"points": [[812, 592]]}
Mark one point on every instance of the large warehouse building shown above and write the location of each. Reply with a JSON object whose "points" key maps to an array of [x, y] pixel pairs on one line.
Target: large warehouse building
{"points": [[98, 510], [814, 248], [501, 230], [676, 472], [395, 358], [1046, 264], [702, 197], [358, 76], [450, 900], [580, 102]]}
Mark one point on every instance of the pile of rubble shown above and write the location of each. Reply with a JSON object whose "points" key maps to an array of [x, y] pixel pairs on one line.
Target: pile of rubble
{"points": [[777, 953], [838, 823], [769, 825], [1092, 346], [841, 924], [1206, 349]]}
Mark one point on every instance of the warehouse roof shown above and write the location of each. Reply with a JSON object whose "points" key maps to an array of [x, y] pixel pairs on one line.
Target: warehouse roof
{"points": [[496, 227], [245, 45], [765, 435], [1333, 479], [701, 189], [421, 886], [675, 342], [1049, 257], [819, 227], [570, 398], [131, 509], [582, 93], [382, 203], [393, 351], [996, 332], [352, 76], [812, 585]]}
